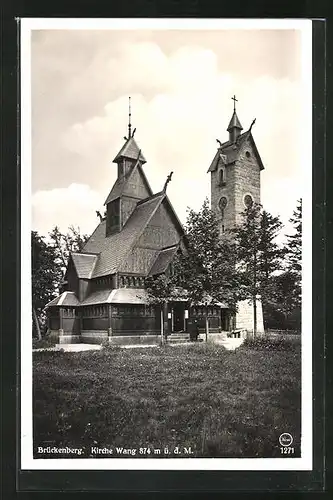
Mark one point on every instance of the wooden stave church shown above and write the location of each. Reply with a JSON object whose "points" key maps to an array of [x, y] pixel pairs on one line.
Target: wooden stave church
{"points": [[103, 297]]}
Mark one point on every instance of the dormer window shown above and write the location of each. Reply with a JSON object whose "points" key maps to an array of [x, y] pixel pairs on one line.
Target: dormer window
{"points": [[221, 179]]}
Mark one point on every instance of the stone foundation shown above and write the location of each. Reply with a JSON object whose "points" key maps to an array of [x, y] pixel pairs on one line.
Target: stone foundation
{"points": [[94, 336], [69, 339], [135, 340], [244, 317]]}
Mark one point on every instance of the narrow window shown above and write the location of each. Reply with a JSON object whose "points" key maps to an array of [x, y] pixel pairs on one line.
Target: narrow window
{"points": [[221, 177]]}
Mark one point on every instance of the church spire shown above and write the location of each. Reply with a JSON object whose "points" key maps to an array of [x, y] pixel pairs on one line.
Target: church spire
{"points": [[129, 118], [234, 127]]}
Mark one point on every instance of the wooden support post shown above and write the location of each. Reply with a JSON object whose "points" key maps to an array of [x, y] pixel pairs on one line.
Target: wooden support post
{"points": [[110, 320], [162, 326], [61, 321]]}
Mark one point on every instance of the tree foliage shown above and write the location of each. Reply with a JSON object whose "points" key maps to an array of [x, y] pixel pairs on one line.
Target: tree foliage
{"points": [[66, 243], [207, 271], [49, 261], [46, 276], [204, 273], [258, 254], [288, 285]]}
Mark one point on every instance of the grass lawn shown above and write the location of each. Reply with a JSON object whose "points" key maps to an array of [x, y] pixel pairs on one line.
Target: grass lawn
{"points": [[218, 403]]}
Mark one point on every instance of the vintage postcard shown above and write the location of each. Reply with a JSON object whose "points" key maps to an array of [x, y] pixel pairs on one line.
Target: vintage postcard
{"points": [[166, 244]]}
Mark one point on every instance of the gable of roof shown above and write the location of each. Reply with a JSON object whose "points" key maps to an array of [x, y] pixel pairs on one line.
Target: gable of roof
{"points": [[130, 150], [232, 151], [119, 187], [115, 248]]}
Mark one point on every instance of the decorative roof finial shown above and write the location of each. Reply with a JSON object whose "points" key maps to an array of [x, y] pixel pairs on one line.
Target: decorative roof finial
{"points": [[234, 99], [129, 118], [252, 125], [167, 181]]}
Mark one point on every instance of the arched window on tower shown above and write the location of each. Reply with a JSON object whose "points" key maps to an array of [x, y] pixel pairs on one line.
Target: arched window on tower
{"points": [[222, 177], [222, 204]]}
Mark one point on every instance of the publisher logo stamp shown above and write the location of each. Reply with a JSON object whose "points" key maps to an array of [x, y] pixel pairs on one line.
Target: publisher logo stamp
{"points": [[285, 439]]}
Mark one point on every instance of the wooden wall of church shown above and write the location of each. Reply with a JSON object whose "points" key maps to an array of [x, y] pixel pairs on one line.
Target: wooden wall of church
{"points": [[136, 186], [160, 232], [139, 261], [53, 318], [134, 320], [127, 206], [70, 320], [95, 317], [83, 289], [72, 279]]}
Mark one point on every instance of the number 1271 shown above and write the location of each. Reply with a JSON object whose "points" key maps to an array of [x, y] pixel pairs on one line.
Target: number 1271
{"points": [[287, 450]]}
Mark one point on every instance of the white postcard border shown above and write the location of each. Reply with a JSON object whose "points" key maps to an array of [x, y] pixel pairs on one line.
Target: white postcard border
{"points": [[282, 464]]}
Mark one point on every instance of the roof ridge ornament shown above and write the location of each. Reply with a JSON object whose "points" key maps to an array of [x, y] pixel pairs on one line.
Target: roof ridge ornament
{"points": [[167, 182], [253, 122]]}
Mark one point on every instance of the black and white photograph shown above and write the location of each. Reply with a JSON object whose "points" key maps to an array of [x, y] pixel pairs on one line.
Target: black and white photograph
{"points": [[166, 244]]}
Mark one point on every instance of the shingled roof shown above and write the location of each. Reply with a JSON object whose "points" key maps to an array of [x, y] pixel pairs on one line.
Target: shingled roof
{"points": [[163, 260], [232, 151], [84, 264], [121, 183], [117, 296], [130, 150], [64, 299], [115, 248]]}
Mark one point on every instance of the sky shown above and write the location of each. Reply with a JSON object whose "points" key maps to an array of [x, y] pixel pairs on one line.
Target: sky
{"points": [[181, 83]]}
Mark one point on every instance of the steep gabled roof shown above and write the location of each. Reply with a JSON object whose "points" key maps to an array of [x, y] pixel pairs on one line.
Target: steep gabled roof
{"points": [[130, 150], [113, 249], [232, 151], [121, 183], [163, 260], [84, 264]]}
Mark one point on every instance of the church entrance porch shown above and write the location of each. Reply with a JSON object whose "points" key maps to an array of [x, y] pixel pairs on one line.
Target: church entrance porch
{"points": [[178, 320]]}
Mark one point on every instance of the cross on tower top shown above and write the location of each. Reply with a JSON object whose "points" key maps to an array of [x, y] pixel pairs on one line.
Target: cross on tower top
{"points": [[129, 117], [235, 100]]}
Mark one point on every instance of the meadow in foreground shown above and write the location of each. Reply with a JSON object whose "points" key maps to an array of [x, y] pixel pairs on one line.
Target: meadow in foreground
{"points": [[214, 402]]}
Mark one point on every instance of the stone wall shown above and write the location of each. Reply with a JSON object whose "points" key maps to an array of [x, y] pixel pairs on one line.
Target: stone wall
{"points": [[227, 190], [244, 316], [247, 180], [94, 336], [241, 178]]}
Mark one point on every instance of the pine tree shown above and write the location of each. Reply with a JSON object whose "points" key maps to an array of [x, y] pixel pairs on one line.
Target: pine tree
{"points": [[289, 285], [46, 276], [258, 254], [205, 273], [294, 245], [270, 255]]}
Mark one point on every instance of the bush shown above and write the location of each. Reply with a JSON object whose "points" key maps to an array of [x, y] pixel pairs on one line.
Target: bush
{"points": [[44, 343], [280, 343]]}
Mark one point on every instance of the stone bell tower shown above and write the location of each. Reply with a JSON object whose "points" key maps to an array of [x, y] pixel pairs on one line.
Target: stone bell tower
{"points": [[235, 184]]}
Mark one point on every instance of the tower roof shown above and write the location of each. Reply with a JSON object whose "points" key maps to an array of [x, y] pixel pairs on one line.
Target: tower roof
{"points": [[234, 122], [130, 150]]}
